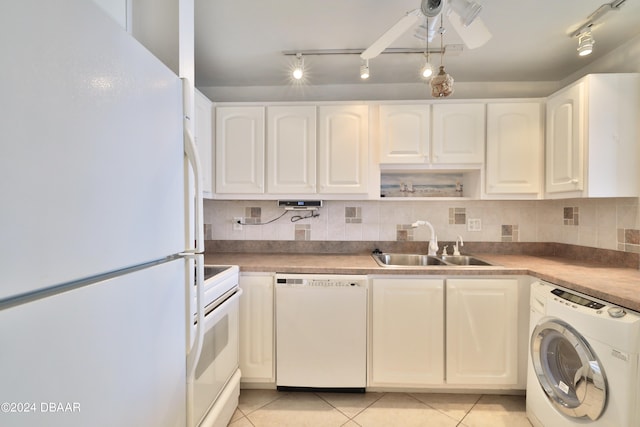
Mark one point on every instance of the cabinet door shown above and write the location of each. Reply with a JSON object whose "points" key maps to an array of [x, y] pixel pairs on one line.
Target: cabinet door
{"points": [[458, 133], [343, 149], [204, 139], [407, 332], [564, 154], [514, 148], [256, 328], [404, 133], [240, 150], [291, 150], [482, 331]]}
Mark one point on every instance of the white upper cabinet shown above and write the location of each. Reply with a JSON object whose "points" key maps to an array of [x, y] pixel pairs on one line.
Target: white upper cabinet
{"points": [[240, 150], [343, 149], [592, 134], [514, 149], [204, 140], [458, 133], [564, 157], [291, 149], [404, 132]]}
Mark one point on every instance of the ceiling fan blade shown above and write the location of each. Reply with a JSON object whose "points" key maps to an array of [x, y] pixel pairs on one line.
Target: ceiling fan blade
{"points": [[391, 34], [474, 35]]}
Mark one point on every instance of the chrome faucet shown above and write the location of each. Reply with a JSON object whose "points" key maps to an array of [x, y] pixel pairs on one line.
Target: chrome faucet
{"points": [[433, 241], [456, 250]]}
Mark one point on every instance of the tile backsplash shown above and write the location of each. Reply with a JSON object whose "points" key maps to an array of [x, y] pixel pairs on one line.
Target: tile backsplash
{"points": [[612, 223]]}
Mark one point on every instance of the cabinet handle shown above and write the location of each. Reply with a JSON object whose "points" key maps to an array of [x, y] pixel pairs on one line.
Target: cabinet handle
{"points": [[574, 181]]}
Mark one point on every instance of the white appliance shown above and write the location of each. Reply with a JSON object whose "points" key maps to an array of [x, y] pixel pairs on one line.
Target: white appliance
{"points": [[214, 387], [96, 263], [321, 329], [583, 361]]}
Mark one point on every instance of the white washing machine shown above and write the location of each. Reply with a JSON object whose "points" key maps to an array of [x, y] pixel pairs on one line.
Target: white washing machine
{"points": [[583, 361]]}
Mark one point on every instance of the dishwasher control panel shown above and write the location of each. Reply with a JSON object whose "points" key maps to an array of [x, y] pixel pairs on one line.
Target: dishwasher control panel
{"points": [[320, 280]]}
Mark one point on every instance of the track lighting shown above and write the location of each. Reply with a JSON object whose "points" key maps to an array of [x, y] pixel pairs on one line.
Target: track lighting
{"points": [[585, 43], [427, 70], [364, 69], [583, 32], [298, 71]]}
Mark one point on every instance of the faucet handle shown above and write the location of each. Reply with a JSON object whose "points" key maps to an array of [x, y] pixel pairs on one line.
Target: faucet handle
{"points": [[444, 250]]}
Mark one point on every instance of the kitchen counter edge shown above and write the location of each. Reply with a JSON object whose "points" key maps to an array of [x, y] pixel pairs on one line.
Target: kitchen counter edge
{"points": [[620, 286]]}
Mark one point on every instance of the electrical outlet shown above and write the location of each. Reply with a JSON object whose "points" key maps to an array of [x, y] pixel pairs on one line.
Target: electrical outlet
{"points": [[237, 223], [474, 224]]}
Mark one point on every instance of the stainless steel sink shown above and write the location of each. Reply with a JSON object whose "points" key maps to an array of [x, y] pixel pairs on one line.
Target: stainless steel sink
{"points": [[416, 260], [463, 260], [406, 260]]}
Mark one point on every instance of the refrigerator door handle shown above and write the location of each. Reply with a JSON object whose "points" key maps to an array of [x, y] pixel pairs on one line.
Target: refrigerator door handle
{"points": [[191, 151], [193, 353]]}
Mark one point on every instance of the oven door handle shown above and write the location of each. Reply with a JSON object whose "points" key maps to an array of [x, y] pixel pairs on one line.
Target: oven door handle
{"points": [[193, 353]]}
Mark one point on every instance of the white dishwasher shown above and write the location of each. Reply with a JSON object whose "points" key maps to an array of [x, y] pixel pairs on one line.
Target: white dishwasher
{"points": [[321, 332]]}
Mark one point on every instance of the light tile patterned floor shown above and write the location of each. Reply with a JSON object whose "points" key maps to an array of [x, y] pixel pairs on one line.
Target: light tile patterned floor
{"points": [[270, 408]]}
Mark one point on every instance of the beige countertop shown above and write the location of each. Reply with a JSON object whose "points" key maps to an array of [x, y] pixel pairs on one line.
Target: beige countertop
{"points": [[620, 286]]}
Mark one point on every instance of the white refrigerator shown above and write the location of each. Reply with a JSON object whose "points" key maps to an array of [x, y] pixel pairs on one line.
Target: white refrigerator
{"points": [[93, 223]]}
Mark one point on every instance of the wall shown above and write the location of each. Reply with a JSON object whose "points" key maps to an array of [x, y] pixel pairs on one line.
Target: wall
{"points": [[601, 223]]}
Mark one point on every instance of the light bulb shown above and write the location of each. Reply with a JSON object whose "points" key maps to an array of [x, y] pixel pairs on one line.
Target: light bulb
{"points": [[426, 71], [298, 71], [364, 70], [585, 43]]}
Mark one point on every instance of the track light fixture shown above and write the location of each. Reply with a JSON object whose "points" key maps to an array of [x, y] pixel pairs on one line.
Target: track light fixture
{"points": [[298, 71], [427, 70], [583, 33], [585, 43], [364, 69]]}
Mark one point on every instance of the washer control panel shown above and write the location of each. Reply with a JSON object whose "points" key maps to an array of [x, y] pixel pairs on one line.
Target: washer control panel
{"points": [[577, 299]]}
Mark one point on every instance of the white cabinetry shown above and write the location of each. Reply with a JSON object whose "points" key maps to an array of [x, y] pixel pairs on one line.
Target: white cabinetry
{"points": [[514, 149], [309, 150], [239, 150], [343, 149], [592, 138], [407, 332], [291, 149], [482, 331], [257, 328], [455, 136], [404, 133], [458, 133], [204, 140]]}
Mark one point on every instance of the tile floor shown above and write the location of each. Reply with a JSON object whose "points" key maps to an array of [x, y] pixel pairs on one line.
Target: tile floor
{"points": [[270, 408]]}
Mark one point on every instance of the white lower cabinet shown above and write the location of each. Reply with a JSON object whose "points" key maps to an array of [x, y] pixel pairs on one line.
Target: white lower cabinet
{"points": [[257, 328], [407, 332], [448, 333], [482, 331]]}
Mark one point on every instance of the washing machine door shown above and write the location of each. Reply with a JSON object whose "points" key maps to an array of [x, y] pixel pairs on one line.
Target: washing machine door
{"points": [[568, 370]]}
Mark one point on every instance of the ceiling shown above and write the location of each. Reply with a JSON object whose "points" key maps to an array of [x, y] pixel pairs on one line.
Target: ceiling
{"points": [[240, 42]]}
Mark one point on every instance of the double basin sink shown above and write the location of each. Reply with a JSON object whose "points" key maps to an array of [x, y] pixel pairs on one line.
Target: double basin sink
{"points": [[417, 260]]}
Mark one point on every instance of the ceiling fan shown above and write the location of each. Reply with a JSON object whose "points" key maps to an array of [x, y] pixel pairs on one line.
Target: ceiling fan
{"points": [[461, 14]]}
